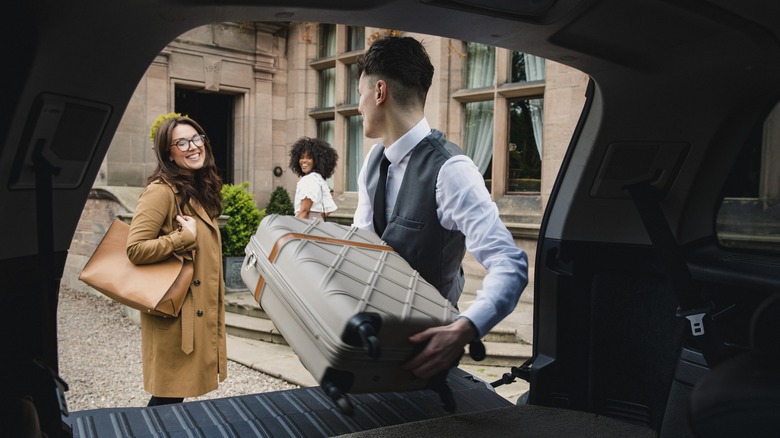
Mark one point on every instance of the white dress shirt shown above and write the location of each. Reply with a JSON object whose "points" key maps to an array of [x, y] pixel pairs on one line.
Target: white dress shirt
{"points": [[462, 203]]}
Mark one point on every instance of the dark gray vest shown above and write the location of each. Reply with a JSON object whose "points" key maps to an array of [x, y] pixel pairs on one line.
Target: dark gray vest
{"points": [[414, 230]]}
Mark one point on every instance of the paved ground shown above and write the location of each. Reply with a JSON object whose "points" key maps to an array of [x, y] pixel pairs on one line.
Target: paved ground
{"points": [[100, 355], [100, 358]]}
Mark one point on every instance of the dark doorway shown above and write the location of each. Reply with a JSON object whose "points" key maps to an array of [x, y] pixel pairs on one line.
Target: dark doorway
{"points": [[214, 112]]}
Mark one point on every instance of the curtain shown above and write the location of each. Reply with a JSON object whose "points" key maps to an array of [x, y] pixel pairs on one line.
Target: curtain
{"points": [[327, 81], [327, 40], [481, 65], [478, 121], [354, 152], [534, 67], [352, 85], [325, 131], [478, 133], [356, 38], [536, 107]]}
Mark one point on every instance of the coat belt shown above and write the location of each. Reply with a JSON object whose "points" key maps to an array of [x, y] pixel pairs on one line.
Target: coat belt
{"points": [[187, 325]]}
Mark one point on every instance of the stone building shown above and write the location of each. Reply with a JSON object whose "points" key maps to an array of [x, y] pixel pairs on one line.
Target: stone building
{"points": [[257, 87]]}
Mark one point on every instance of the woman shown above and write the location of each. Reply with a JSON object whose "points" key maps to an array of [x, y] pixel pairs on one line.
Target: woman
{"points": [[313, 160], [184, 356]]}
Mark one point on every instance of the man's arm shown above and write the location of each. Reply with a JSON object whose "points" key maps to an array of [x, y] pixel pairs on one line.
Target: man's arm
{"points": [[464, 204]]}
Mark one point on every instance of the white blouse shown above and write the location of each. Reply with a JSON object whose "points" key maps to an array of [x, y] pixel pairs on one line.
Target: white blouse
{"points": [[314, 187]]}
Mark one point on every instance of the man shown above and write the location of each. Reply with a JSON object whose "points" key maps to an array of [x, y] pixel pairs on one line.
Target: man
{"points": [[435, 204]]}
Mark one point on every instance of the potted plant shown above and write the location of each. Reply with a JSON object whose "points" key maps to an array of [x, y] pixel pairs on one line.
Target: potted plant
{"points": [[244, 217]]}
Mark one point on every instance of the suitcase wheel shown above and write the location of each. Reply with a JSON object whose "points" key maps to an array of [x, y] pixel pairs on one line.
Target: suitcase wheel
{"points": [[344, 405], [362, 330], [338, 397], [477, 350]]}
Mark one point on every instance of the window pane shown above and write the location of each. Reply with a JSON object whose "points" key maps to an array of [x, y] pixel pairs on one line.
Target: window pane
{"points": [[327, 40], [749, 215], [527, 67], [480, 65], [356, 38], [352, 85], [325, 131], [525, 146], [327, 87], [478, 136], [354, 158]]}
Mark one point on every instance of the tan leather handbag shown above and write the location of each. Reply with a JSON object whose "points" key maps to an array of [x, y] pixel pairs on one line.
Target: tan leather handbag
{"points": [[156, 289]]}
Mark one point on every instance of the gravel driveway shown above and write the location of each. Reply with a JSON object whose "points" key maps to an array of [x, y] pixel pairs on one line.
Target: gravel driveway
{"points": [[100, 357]]}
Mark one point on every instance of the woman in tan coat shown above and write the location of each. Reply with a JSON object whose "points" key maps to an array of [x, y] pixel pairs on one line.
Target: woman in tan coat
{"points": [[184, 356]]}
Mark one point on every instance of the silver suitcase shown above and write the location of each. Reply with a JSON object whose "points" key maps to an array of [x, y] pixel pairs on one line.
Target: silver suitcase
{"points": [[345, 302]]}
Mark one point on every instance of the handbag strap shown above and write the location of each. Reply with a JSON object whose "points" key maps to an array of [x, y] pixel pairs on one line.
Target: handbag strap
{"points": [[322, 198]]}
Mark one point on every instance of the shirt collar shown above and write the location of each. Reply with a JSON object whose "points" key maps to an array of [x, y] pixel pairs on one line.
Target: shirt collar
{"points": [[398, 150]]}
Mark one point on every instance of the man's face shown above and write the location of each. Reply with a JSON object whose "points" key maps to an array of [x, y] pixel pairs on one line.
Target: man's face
{"points": [[368, 107]]}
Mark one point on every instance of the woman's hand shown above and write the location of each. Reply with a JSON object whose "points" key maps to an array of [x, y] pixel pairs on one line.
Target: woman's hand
{"points": [[187, 222]]}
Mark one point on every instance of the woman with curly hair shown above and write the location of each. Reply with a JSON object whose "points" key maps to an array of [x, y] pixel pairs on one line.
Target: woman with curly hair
{"points": [[313, 160], [177, 213]]}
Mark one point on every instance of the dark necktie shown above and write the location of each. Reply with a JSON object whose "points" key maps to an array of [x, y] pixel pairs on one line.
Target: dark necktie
{"points": [[380, 215]]}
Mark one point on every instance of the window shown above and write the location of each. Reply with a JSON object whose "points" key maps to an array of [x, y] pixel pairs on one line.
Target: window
{"points": [[325, 131], [352, 85], [526, 68], [749, 214], [502, 103], [354, 155], [356, 38], [327, 87], [335, 112], [478, 136], [525, 146], [326, 36], [481, 66]]}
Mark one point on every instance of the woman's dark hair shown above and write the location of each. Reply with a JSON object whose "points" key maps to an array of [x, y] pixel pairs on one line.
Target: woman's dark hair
{"points": [[324, 156], [204, 185], [400, 61]]}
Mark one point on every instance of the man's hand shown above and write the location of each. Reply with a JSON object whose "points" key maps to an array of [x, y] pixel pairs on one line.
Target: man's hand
{"points": [[445, 346]]}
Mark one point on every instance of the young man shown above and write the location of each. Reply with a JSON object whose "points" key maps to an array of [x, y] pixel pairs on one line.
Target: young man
{"points": [[434, 204]]}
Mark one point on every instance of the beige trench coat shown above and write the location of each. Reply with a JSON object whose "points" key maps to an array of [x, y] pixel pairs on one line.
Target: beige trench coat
{"points": [[184, 356]]}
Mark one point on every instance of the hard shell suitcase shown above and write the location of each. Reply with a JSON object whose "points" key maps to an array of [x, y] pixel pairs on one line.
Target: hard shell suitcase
{"points": [[345, 302]]}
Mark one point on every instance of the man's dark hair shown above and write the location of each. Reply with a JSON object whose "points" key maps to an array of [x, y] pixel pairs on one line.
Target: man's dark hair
{"points": [[403, 63]]}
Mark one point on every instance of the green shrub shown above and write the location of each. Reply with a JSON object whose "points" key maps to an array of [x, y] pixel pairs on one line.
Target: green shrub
{"points": [[280, 203], [239, 204], [158, 121]]}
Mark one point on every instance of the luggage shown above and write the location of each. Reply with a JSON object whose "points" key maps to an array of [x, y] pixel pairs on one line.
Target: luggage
{"points": [[345, 302]]}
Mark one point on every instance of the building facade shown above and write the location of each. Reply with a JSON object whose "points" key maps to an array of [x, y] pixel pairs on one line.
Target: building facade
{"points": [[258, 87]]}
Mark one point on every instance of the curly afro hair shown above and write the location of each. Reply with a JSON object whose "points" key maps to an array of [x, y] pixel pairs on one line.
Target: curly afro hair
{"points": [[324, 156]]}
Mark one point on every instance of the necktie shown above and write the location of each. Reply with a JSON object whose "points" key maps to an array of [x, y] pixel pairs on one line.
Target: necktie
{"points": [[380, 215]]}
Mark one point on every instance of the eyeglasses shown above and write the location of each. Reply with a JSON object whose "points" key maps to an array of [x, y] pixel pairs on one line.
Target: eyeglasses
{"points": [[183, 144]]}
